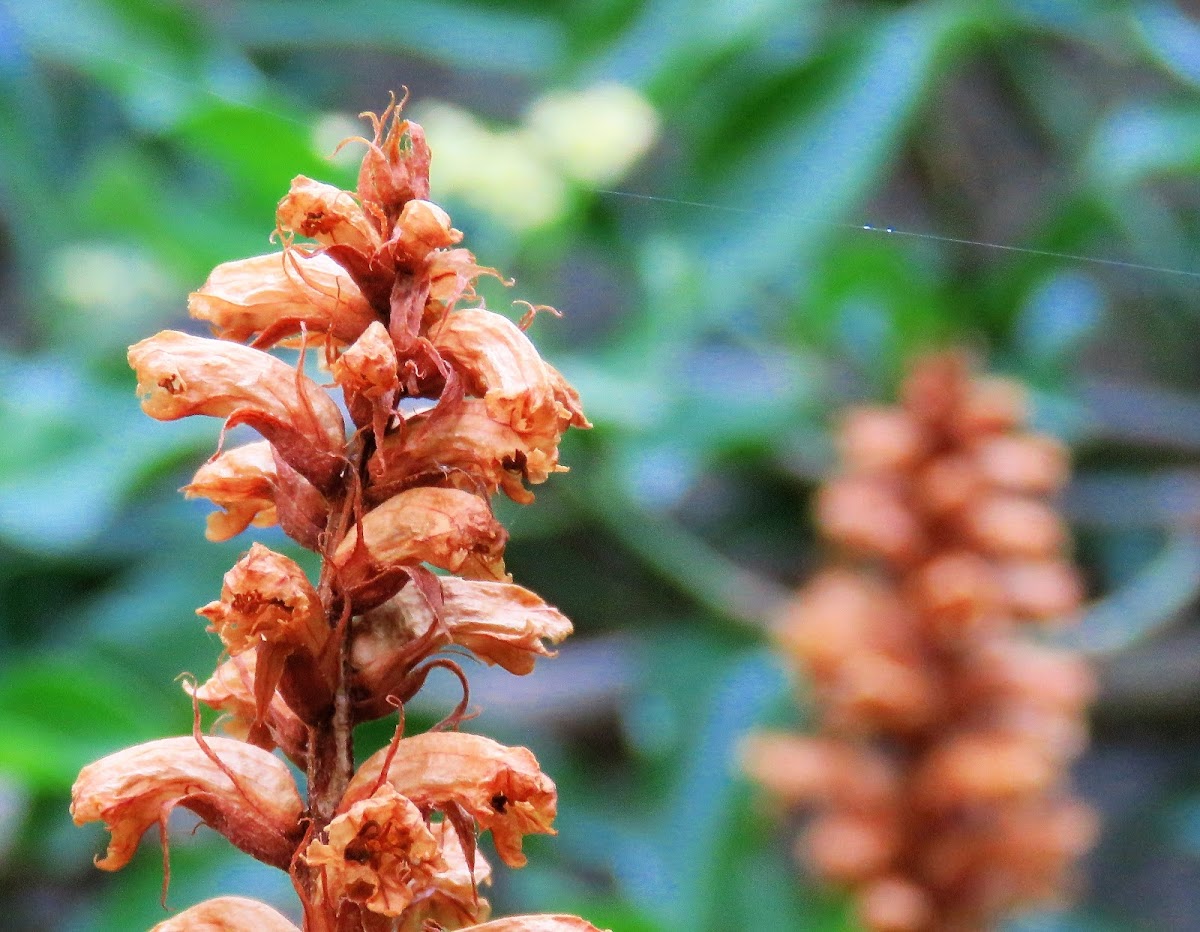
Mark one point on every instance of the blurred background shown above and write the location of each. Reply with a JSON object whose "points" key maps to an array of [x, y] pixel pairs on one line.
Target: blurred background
{"points": [[689, 182]]}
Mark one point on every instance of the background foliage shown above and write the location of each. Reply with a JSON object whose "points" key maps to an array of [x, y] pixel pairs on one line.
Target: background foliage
{"points": [[143, 142]]}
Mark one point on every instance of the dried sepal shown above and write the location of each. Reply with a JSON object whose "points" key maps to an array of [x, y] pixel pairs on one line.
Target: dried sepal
{"points": [[267, 603], [272, 297], [180, 375], [377, 853], [227, 914], [249, 797], [450, 897], [443, 527], [241, 482], [231, 691], [502, 788]]}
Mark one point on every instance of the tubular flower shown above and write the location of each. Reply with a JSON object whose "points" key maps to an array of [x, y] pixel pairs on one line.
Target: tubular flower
{"points": [[241, 791], [447, 407], [377, 852], [227, 914], [937, 790], [268, 298], [502, 788]]}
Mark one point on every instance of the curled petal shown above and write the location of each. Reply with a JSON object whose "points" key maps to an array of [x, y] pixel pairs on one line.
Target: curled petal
{"points": [[230, 690], [501, 365], [545, 923], [327, 214], [181, 375], [268, 603], [444, 527], [227, 914], [463, 446], [502, 788], [242, 482], [451, 896], [273, 296], [452, 276], [377, 853], [250, 797]]}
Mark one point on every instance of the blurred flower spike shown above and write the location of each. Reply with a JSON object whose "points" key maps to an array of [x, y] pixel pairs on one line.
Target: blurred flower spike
{"points": [[522, 176], [372, 280], [937, 788]]}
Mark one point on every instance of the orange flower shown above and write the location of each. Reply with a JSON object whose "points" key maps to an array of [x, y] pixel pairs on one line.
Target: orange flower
{"points": [[180, 375], [267, 603], [328, 215], [242, 482], [244, 793], [502, 788], [274, 296], [227, 914], [534, 924], [444, 527], [378, 851], [519, 388]]}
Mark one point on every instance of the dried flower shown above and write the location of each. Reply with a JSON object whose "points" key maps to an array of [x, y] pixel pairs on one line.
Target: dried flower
{"points": [[378, 293], [937, 789]]}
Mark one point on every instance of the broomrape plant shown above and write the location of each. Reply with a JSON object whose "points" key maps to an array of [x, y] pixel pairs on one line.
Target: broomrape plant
{"points": [[449, 405], [938, 785]]}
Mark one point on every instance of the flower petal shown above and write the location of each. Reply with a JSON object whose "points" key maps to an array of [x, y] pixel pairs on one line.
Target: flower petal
{"points": [[274, 296], [268, 603], [369, 374], [231, 690], [377, 852], [502, 788], [227, 914], [242, 482], [134, 788]]}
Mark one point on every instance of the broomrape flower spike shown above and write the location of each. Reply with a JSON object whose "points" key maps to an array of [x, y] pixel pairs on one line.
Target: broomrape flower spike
{"points": [[377, 290], [937, 787]]}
